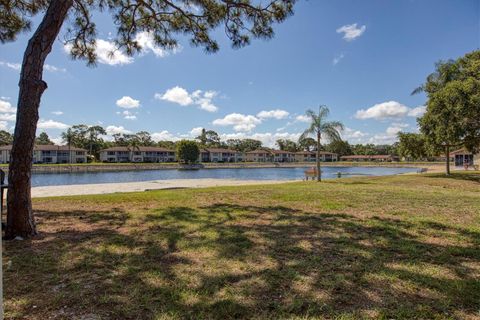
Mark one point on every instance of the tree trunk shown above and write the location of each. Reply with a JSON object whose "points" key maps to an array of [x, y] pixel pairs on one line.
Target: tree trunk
{"points": [[447, 154], [20, 220], [319, 172]]}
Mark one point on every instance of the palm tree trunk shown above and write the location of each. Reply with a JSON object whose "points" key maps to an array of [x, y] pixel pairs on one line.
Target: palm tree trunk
{"points": [[447, 154], [20, 220], [319, 173]]}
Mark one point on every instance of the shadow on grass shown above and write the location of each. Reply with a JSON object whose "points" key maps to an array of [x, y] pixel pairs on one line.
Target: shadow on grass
{"points": [[462, 175], [230, 261]]}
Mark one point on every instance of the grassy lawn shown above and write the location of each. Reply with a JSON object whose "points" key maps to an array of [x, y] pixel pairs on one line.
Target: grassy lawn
{"points": [[399, 247]]}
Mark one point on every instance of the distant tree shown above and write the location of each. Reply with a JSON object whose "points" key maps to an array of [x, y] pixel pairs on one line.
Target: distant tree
{"points": [[188, 151], [452, 117], [95, 142], [68, 137], [133, 145], [163, 20], [5, 138], [364, 149], [340, 147], [43, 139], [321, 128], [412, 146], [307, 144], [145, 139], [389, 149], [80, 136], [120, 140], [166, 144], [244, 145], [287, 145], [209, 138]]}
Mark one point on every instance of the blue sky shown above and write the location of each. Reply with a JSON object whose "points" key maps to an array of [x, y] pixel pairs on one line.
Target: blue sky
{"points": [[360, 58]]}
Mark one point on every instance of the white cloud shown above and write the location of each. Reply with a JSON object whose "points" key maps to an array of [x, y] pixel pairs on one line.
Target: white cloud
{"points": [[129, 115], [127, 102], [276, 114], [8, 116], [164, 135], [182, 97], [389, 110], [352, 134], [145, 40], [11, 65], [195, 132], [6, 107], [337, 59], [351, 31], [204, 100], [50, 68], [18, 66], [57, 141], [176, 95], [57, 113], [3, 125], [385, 110], [240, 122], [51, 124], [393, 130], [417, 112], [107, 53], [111, 130], [302, 118]]}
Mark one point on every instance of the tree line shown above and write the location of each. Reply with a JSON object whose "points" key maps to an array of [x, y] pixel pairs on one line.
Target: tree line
{"points": [[92, 138]]}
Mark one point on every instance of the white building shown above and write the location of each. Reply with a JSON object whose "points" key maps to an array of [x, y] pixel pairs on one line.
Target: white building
{"points": [[221, 155], [283, 156], [49, 154], [138, 154]]}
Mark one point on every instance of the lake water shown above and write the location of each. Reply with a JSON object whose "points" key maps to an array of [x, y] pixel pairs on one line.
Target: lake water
{"points": [[52, 179]]}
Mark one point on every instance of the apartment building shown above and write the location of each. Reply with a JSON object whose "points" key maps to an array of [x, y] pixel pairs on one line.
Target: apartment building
{"points": [[221, 155], [259, 155], [138, 154], [311, 156], [49, 154], [283, 156], [464, 157]]}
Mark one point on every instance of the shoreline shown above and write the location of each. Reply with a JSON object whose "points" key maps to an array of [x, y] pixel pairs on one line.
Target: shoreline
{"points": [[141, 186], [104, 167]]}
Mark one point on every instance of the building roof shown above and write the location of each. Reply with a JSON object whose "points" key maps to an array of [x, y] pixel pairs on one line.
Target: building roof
{"points": [[315, 153], [141, 149], [258, 151], [48, 147], [282, 152], [461, 151], [221, 150]]}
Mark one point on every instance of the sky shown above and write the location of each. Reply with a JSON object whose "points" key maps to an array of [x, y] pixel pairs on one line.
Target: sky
{"points": [[360, 58]]}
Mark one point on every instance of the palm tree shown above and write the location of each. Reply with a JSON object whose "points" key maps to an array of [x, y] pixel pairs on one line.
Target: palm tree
{"points": [[133, 144], [93, 133], [318, 127], [68, 137]]}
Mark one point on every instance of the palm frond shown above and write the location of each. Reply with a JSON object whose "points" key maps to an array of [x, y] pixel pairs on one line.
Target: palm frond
{"points": [[417, 90], [323, 113]]}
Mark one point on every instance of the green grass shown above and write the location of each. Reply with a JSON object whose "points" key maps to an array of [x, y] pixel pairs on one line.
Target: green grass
{"points": [[401, 247]]}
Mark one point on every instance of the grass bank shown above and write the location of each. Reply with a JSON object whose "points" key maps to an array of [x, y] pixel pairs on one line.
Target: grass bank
{"points": [[397, 247]]}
